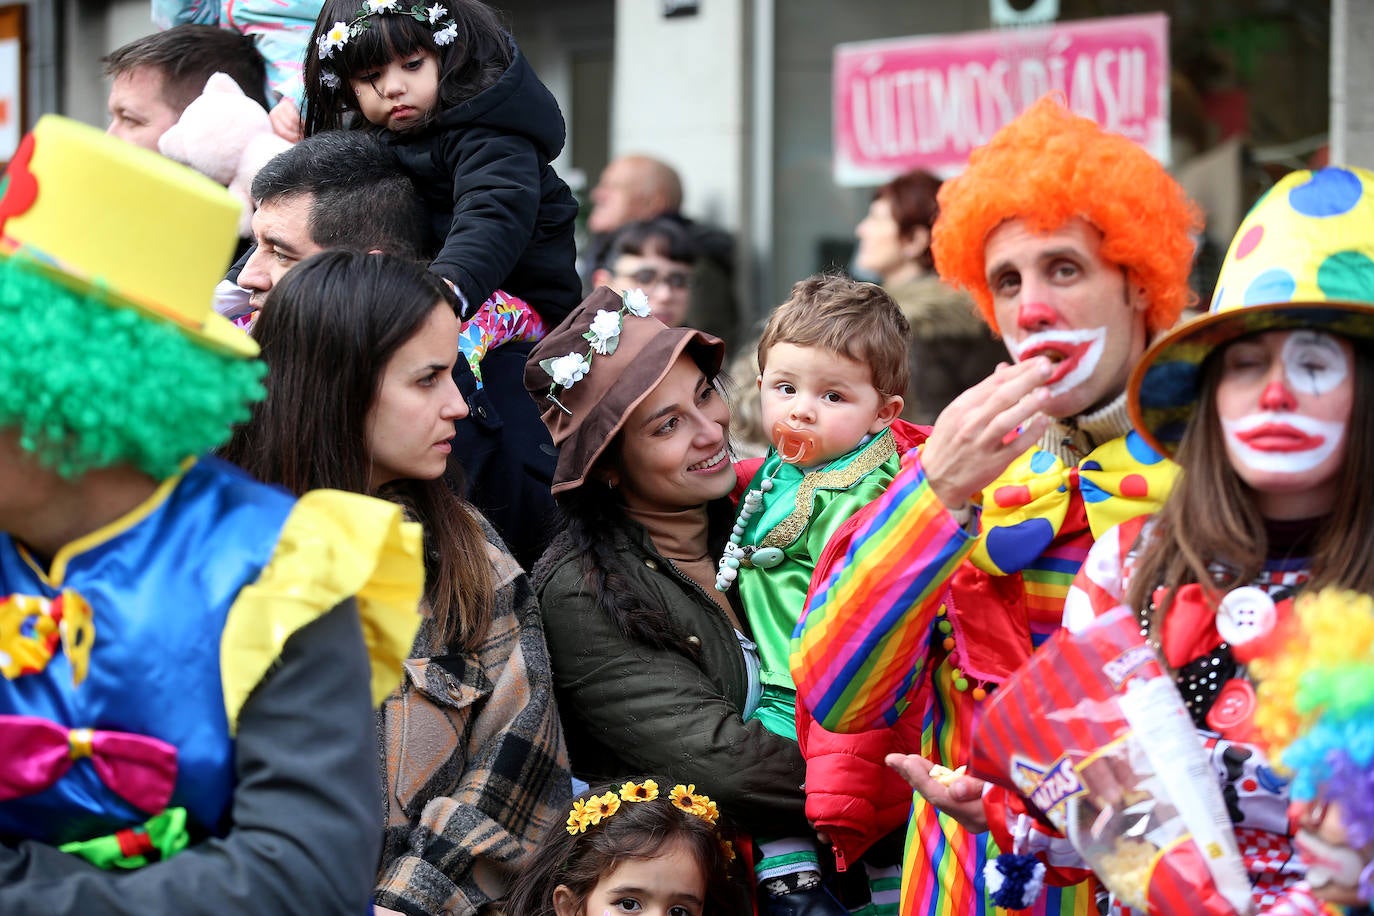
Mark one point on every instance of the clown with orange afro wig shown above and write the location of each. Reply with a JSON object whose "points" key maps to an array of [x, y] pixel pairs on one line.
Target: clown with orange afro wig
{"points": [[952, 576], [1050, 166]]}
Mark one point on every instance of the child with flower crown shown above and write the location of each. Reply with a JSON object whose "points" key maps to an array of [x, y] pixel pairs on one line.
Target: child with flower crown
{"points": [[447, 89], [631, 848]]}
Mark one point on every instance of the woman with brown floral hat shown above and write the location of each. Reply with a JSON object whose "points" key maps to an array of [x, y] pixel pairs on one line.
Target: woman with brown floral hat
{"points": [[653, 667]]}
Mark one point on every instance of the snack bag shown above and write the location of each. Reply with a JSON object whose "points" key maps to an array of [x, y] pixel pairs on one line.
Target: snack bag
{"points": [[1092, 732]]}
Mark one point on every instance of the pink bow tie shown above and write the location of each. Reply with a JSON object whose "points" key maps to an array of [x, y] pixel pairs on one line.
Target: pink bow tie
{"points": [[139, 769]]}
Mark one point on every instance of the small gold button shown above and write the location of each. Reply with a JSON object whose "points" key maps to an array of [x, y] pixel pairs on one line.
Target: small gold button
{"points": [[694, 642], [652, 564]]}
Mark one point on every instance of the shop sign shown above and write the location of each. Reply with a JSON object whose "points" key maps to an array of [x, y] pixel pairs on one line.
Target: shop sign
{"points": [[926, 101]]}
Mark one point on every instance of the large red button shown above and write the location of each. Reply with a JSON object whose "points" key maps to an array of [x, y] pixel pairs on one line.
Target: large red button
{"points": [[1233, 712]]}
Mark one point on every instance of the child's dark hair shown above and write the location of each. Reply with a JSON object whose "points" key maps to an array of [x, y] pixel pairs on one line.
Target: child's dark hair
{"points": [[473, 61], [637, 830]]}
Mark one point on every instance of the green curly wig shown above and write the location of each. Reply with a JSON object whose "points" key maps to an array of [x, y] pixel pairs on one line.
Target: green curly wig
{"points": [[87, 385]]}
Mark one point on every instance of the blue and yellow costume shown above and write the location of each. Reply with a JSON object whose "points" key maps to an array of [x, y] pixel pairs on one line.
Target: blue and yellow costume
{"points": [[190, 660], [216, 571]]}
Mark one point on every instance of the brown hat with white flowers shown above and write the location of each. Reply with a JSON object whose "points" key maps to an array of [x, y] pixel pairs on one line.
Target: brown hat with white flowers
{"points": [[595, 368]]}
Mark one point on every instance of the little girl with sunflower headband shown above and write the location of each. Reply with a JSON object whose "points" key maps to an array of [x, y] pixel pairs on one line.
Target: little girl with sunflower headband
{"points": [[630, 848]]}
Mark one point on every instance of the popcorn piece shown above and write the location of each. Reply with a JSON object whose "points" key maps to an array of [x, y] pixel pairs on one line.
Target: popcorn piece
{"points": [[944, 775]]}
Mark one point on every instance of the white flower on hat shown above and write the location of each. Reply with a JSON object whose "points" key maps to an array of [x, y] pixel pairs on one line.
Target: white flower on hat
{"points": [[604, 332], [436, 12], [447, 35], [637, 302], [380, 6], [335, 38], [568, 369]]}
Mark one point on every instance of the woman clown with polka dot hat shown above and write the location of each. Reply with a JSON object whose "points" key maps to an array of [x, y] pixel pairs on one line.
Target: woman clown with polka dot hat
{"points": [[1267, 405]]}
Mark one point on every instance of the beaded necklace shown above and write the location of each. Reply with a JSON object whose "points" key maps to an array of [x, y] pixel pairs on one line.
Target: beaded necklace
{"points": [[794, 446], [735, 555]]}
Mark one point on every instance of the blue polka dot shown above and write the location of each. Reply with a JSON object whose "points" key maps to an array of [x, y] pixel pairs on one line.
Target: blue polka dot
{"points": [[1063, 488], [1347, 275], [1014, 546], [1168, 384], [1041, 461], [1140, 450], [1092, 493], [1274, 285], [1091, 466], [1329, 192]]}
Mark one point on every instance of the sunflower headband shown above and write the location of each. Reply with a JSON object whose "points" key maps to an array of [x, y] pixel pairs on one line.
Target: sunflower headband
{"points": [[436, 16], [587, 812]]}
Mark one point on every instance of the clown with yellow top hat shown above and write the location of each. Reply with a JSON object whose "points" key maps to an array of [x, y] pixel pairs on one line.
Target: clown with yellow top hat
{"points": [[188, 658], [1267, 405]]}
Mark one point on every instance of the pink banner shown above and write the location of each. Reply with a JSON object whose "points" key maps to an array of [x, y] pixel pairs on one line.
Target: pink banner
{"points": [[925, 102]]}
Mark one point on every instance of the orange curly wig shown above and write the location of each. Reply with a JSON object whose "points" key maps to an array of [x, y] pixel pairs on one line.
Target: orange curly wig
{"points": [[1049, 166]]}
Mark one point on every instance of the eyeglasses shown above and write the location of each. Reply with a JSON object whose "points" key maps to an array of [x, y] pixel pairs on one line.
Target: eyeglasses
{"points": [[648, 278]]}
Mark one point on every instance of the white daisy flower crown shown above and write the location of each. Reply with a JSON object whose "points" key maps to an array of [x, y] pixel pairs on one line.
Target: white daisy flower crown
{"points": [[603, 335], [339, 34]]}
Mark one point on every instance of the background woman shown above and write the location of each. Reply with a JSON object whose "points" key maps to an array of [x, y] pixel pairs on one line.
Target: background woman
{"points": [[951, 349], [653, 666], [360, 352]]}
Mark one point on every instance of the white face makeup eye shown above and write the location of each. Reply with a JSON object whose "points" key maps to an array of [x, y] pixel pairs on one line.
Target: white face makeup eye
{"points": [[1314, 362]]}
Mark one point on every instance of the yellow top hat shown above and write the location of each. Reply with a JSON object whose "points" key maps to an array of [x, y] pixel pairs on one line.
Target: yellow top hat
{"points": [[101, 216], [1303, 258]]}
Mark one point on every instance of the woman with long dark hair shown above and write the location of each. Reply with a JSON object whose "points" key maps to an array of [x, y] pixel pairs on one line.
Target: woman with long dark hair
{"points": [[653, 665], [360, 352]]}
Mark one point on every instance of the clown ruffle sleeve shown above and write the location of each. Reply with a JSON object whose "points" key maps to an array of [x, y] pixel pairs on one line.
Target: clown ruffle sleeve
{"points": [[333, 545]]}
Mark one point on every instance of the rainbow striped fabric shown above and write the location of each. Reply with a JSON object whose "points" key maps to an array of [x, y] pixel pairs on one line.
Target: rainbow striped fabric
{"points": [[882, 634]]}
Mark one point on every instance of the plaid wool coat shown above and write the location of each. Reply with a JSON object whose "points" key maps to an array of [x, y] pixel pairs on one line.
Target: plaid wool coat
{"points": [[473, 758]]}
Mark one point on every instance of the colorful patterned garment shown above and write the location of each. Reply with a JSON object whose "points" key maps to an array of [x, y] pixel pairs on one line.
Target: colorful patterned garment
{"points": [[905, 619], [281, 29], [502, 319], [1256, 796], [140, 643]]}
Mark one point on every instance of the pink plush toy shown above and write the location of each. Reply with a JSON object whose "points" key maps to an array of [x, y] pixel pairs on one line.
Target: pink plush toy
{"points": [[227, 136]]}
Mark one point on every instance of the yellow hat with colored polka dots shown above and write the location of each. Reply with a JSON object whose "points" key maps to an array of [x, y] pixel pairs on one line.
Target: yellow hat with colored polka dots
{"points": [[1303, 258]]}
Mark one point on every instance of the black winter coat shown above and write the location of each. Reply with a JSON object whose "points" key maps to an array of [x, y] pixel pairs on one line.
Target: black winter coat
{"points": [[630, 710], [505, 217]]}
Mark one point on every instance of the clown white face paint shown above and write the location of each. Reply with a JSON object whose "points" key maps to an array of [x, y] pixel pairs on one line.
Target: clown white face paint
{"points": [[1076, 355], [1282, 443], [1284, 400]]}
